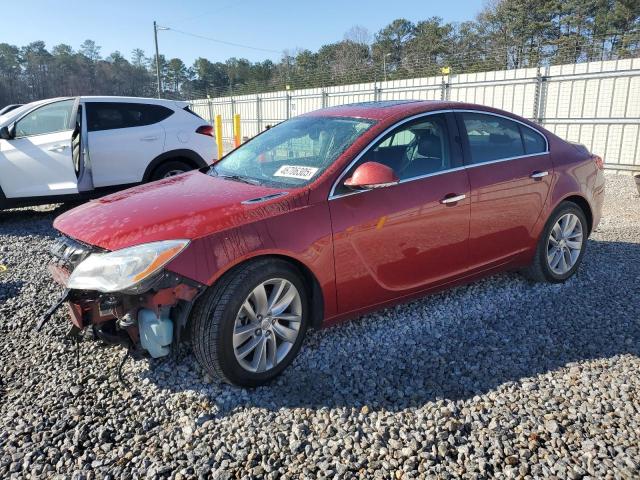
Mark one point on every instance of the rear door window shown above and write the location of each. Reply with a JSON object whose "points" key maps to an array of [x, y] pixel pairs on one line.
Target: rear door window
{"points": [[492, 137], [533, 141], [114, 115]]}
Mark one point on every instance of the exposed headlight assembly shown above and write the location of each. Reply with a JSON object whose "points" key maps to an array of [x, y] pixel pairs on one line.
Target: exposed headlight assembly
{"points": [[124, 269]]}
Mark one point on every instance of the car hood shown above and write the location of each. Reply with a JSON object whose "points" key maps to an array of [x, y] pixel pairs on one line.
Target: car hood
{"points": [[185, 206]]}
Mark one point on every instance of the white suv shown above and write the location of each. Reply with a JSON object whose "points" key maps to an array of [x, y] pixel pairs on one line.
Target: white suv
{"points": [[82, 147]]}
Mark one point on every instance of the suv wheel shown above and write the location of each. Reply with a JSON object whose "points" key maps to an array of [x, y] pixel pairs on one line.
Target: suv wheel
{"points": [[250, 325], [170, 169]]}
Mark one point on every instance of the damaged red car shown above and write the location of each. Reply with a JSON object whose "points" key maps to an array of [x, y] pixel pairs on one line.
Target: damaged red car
{"points": [[323, 217]]}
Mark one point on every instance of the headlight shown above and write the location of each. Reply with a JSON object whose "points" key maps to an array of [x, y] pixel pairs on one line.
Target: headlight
{"points": [[123, 269]]}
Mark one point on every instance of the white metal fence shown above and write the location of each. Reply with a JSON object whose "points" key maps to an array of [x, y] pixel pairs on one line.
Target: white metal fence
{"points": [[596, 103]]}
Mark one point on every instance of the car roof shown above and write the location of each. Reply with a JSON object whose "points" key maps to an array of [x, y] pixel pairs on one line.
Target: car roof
{"points": [[157, 101]]}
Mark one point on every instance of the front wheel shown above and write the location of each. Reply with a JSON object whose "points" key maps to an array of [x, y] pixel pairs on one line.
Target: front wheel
{"points": [[561, 246], [250, 325]]}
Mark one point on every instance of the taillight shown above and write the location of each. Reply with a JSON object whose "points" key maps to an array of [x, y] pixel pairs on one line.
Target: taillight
{"points": [[205, 130], [599, 161]]}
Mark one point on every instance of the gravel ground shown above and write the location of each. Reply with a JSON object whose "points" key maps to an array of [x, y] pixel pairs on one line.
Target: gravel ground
{"points": [[501, 378]]}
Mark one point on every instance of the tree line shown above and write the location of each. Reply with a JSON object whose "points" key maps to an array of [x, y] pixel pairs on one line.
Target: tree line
{"points": [[505, 34]]}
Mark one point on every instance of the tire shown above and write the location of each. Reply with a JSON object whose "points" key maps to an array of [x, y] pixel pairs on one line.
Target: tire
{"points": [[541, 269], [217, 320], [169, 169]]}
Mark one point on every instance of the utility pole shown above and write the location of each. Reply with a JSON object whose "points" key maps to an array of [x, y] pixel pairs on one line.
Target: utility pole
{"points": [[384, 64], [155, 36]]}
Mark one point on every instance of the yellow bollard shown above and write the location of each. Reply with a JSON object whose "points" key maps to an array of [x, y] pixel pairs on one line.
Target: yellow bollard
{"points": [[218, 126], [237, 137]]}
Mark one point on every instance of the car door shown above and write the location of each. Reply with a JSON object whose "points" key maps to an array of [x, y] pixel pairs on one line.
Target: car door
{"points": [[37, 161], [510, 173], [392, 241], [123, 138]]}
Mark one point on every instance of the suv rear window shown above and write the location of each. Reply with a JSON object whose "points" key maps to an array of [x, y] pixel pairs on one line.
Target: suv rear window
{"points": [[113, 115]]}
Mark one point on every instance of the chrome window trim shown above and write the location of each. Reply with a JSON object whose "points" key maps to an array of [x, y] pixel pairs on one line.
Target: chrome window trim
{"points": [[406, 180], [500, 160], [332, 194]]}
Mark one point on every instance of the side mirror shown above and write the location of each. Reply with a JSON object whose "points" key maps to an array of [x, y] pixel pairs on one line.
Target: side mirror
{"points": [[5, 133], [371, 175]]}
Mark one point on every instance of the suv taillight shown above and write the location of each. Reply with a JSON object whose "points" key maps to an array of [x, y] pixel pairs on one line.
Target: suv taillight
{"points": [[205, 130], [599, 161]]}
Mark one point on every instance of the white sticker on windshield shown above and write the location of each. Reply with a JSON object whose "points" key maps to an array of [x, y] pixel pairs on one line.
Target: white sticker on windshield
{"points": [[296, 171]]}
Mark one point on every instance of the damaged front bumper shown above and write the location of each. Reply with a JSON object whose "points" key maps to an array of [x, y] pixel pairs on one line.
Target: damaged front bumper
{"points": [[151, 321]]}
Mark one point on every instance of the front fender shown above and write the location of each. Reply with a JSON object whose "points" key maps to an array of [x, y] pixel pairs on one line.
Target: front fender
{"points": [[303, 235]]}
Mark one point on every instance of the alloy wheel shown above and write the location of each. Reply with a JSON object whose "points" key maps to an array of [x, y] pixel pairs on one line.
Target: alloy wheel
{"points": [[564, 244], [267, 325], [173, 173]]}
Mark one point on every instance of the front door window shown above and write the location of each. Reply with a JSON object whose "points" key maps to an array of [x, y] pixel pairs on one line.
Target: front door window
{"points": [[414, 149], [50, 118]]}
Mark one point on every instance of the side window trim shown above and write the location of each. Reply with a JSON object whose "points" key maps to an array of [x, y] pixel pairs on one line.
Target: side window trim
{"points": [[388, 130], [459, 133], [465, 139]]}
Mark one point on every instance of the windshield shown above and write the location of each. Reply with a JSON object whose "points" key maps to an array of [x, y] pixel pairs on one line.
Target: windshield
{"points": [[292, 153]]}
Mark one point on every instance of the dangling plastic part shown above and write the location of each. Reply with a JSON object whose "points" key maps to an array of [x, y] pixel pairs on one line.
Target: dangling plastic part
{"points": [[156, 332]]}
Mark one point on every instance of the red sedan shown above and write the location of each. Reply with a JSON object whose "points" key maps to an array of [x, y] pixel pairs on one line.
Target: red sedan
{"points": [[323, 217]]}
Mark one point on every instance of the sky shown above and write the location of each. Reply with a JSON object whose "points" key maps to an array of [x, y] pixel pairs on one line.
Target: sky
{"points": [[273, 25]]}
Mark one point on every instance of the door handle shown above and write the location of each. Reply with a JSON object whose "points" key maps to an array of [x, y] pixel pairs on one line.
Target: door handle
{"points": [[539, 174], [57, 148], [453, 199], [149, 139]]}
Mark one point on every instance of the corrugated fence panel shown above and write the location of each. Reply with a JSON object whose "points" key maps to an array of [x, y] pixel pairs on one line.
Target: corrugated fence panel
{"points": [[305, 101], [246, 108], [273, 109], [344, 94], [596, 103], [201, 108]]}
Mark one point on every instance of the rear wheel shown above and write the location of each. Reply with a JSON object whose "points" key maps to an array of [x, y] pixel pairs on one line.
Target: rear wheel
{"points": [[170, 169], [561, 246], [250, 325]]}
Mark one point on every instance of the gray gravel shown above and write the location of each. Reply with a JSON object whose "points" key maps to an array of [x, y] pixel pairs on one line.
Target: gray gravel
{"points": [[501, 378]]}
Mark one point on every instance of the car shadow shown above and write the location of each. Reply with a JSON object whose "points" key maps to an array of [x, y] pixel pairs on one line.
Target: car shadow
{"points": [[8, 288], [31, 220], [38, 210], [491, 334]]}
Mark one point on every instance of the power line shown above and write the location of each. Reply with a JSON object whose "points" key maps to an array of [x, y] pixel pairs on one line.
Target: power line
{"points": [[206, 14], [411, 67], [224, 42]]}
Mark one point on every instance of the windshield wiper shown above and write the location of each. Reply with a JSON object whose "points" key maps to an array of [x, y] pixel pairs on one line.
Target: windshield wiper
{"points": [[241, 178], [236, 177]]}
